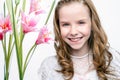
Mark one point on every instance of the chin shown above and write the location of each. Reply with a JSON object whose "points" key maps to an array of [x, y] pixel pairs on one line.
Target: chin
{"points": [[76, 47]]}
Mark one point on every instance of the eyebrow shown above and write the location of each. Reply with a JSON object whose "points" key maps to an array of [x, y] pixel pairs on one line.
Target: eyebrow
{"points": [[63, 22], [76, 20]]}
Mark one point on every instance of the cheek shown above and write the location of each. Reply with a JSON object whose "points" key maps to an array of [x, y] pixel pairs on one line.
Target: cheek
{"points": [[64, 32], [86, 31], [89, 33]]}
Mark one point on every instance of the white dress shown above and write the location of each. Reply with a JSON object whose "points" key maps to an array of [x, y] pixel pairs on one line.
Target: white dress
{"points": [[49, 66]]}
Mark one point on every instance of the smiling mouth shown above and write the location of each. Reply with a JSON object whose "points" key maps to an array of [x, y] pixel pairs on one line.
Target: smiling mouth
{"points": [[75, 39]]}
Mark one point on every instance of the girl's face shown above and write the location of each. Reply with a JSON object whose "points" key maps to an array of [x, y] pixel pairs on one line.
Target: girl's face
{"points": [[75, 25]]}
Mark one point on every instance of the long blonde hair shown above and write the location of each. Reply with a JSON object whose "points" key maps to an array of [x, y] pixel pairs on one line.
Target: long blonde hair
{"points": [[97, 43]]}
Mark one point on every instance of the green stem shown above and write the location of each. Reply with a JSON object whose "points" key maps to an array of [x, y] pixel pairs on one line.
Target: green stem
{"points": [[6, 68], [28, 57], [6, 73], [16, 8], [10, 46], [10, 49], [21, 48], [24, 3], [4, 49], [4, 46], [16, 36], [4, 10], [17, 2], [50, 11], [6, 77]]}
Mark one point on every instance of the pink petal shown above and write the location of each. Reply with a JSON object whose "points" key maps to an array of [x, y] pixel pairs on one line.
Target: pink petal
{"points": [[34, 6], [27, 28], [32, 22], [1, 36], [43, 36], [47, 39], [8, 23], [39, 41], [39, 12], [1, 21], [29, 23], [5, 24]]}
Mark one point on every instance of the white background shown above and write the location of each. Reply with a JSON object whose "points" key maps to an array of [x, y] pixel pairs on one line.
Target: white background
{"points": [[109, 13]]}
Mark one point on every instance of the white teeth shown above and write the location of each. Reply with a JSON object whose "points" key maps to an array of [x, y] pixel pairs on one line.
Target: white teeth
{"points": [[75, 39]]}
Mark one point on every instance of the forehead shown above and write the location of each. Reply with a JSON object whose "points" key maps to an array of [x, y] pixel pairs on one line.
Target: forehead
{"points": [[74, 9]]}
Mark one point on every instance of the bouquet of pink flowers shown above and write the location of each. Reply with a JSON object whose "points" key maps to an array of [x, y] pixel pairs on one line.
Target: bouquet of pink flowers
{"points": [[12, 33]]}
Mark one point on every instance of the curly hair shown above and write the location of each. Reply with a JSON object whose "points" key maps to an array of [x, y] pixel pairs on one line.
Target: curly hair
{"points": [[97, 42]]}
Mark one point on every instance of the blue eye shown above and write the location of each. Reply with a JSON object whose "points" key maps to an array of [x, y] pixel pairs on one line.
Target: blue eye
{"points": [[81, 22], [65, 24]]}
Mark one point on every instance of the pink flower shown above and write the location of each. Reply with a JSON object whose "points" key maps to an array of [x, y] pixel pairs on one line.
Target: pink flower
{"points": [[35, 7], [43, 36], [5, 26], [29, 22]]}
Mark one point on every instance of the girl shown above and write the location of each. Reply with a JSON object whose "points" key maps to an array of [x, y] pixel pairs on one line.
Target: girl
{"points": [[81, 45]]}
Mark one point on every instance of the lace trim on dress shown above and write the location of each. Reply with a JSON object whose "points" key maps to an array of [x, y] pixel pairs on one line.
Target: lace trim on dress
{"points": [[82, 65]]}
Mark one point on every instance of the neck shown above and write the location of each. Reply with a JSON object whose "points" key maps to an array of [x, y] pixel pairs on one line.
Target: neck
{"points": [[80, 57], [80, 52]]}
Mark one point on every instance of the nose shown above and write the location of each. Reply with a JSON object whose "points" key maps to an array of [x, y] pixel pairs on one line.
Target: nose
{"points": [[73, 31]]}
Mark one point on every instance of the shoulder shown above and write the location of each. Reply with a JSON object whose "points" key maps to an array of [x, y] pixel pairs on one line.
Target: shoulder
{"points": [[49, 59], [115, 63], [115, 54], [50, 62], [47, 70]]}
